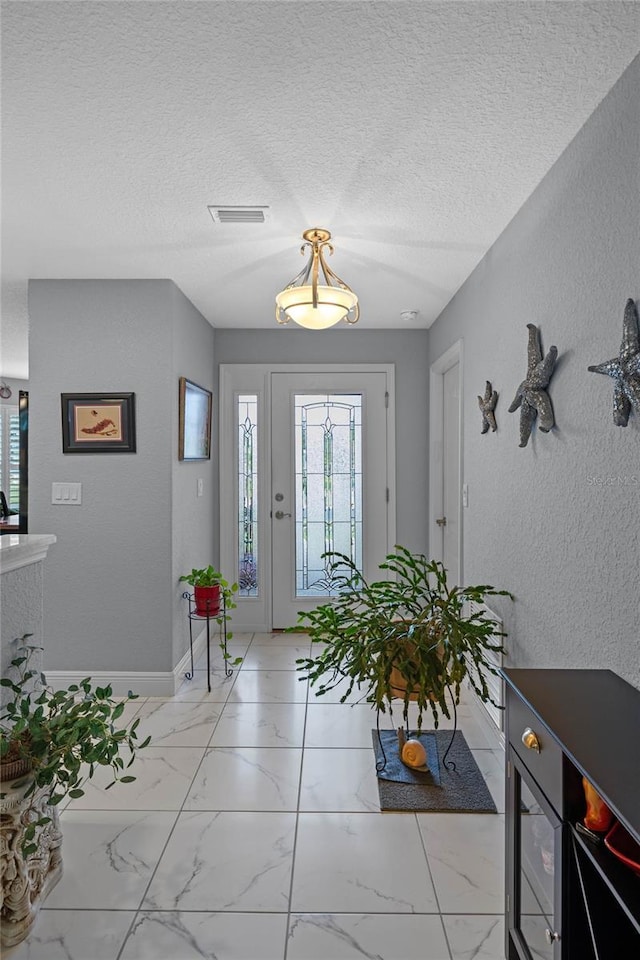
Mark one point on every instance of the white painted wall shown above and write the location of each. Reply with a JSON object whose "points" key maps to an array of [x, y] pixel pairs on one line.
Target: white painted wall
{"points": [[539, 521]]}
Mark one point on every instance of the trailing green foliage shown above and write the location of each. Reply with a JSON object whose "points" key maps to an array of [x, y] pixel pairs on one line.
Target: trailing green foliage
{"points": [[412, 623], [64, 735], [210, 577]]}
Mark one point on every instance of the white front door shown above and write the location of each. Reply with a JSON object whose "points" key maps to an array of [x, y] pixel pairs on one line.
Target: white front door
{"points": [[329, 481], [306, 466]]}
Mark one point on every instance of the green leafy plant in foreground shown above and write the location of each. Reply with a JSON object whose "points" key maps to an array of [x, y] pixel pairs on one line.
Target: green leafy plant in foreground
{"points": [[410, 637], [63, 735]]}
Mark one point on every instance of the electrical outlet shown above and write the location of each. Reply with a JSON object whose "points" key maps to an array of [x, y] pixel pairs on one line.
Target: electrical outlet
{"points": [[200, 486]]}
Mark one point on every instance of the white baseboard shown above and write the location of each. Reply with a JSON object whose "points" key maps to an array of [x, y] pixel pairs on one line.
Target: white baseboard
{"points": [[144, 683]]}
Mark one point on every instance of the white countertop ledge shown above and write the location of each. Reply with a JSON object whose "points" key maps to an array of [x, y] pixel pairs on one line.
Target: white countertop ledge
{"points": [[21, 549]]}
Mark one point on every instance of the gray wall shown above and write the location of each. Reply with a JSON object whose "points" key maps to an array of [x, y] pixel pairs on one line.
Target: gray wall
{"points": [[111, 595], [194, 519], [545, 521], [407, 349]]}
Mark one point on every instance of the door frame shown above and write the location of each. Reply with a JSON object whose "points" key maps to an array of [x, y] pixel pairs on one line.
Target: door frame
{"points": [[255, 614], [454, 354]]}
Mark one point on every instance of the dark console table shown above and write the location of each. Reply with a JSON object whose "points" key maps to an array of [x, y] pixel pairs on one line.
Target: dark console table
{"points": [[568, 897]]}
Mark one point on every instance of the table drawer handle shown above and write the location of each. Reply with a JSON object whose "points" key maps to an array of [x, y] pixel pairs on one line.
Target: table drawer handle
{"points": [[530, 740]]}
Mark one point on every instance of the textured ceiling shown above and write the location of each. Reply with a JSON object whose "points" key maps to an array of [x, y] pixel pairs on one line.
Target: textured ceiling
{"points": [[412, 130]]}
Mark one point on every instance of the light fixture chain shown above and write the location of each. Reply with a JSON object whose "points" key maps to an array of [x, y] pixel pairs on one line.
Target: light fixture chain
{"points": [[314, 279]]}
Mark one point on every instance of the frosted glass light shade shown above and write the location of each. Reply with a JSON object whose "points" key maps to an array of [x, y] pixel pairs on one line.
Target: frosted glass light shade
{"points": [[333, 305]]}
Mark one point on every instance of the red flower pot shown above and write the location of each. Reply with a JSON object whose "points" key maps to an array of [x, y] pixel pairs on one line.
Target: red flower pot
{"points": [[207, 600]]}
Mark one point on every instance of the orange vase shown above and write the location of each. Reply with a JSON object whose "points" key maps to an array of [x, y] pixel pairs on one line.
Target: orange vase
{"points": [[598, 816]]}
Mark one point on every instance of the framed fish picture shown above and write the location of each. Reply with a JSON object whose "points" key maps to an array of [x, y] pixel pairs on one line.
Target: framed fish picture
{"points": [[98, 423]]}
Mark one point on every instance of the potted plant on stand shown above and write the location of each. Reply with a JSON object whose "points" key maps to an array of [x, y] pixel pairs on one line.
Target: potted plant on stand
{"points": [[213, 598], [209, 587], [51, 742], [411, 637]]}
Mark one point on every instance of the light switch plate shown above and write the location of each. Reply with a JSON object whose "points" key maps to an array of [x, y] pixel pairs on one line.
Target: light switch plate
{"points": [[200, 486], [465, 494], [66, 493]]}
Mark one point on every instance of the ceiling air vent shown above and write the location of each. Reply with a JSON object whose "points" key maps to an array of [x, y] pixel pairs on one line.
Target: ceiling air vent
{"points": [[229, 214]]}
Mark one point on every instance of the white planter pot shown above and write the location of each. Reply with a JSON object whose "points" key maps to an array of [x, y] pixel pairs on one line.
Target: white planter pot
{"points": [[25, 883]]}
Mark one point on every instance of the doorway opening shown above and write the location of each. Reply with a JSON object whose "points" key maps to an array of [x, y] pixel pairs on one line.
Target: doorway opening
{"points": [[307, 466], [445, 461]]}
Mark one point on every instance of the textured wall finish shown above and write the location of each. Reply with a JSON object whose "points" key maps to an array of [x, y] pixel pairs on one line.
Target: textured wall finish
{"points": [[194, 519], [444, 117], [558, 523], [21, 597], [108, 596], [21, 612]]}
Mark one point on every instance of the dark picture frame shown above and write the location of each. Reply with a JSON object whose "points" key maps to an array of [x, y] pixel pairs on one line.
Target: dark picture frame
{"points": [[98, 423], [195, 405]]}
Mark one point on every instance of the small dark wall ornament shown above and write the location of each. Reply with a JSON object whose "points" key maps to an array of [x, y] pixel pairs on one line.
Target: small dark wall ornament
{"points": [[531, 396], [625, 368], [487, 405]]}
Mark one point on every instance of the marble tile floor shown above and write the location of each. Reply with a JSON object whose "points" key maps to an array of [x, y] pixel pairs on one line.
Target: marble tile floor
{"points": [[253, 832]]}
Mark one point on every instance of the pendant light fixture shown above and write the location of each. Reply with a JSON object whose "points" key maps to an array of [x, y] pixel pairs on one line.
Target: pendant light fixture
{"points": [[317, 305]]}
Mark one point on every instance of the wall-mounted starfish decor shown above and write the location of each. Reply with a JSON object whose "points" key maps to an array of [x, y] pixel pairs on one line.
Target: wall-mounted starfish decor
{"points": [[487, 405], [531, 396], [625, 369]]}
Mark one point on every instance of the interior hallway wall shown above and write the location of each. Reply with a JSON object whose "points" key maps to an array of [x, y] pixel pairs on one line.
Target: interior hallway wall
{"points": [[194, 519], [407, 349], [558, 522], [111, 595]]}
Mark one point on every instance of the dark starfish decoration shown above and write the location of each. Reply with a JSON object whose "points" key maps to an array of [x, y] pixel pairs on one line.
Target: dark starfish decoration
{"points": [[531, 395], [625, 369], [487, 406]]}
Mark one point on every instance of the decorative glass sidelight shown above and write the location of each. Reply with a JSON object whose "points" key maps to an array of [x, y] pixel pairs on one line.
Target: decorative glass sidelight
{"points": [[328, 487], [248, 495]]}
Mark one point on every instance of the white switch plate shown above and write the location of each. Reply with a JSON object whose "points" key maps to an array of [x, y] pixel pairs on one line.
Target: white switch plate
{"points": [[69, 494], [465, 494], [200, 486]]}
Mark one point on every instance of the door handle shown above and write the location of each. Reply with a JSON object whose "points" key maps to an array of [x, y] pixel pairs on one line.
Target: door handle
{"points": [[530, 740], [279, 515], [441, 521]]}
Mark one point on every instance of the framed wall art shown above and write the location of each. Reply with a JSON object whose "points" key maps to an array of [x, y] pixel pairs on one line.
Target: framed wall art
{"points": [[195, 421], [98, 423]]}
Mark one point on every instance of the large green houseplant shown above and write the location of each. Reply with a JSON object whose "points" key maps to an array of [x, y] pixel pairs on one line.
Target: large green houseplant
{"points": [[410, 637], [51, 742], [61, 737]]}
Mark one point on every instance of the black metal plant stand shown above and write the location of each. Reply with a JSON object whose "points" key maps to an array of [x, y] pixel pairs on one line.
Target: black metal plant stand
{"points": [[219, 617], [448, 765]]}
